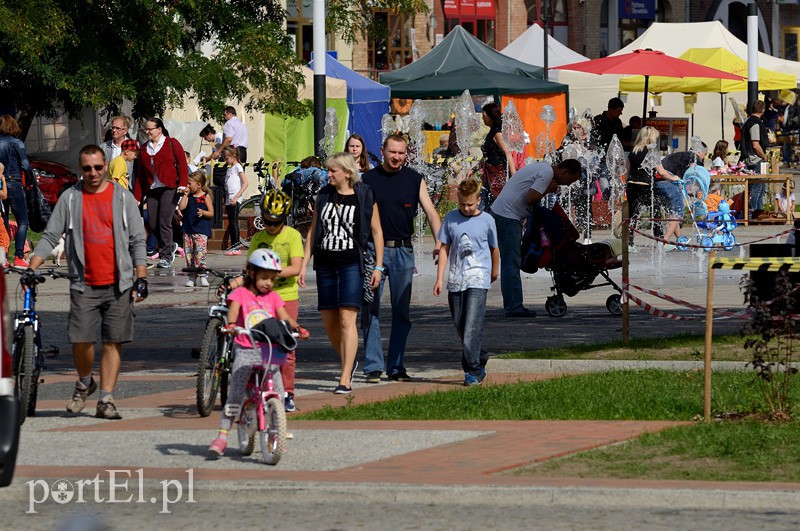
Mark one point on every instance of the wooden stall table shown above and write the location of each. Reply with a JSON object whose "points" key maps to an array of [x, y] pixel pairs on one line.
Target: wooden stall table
{"points": [[778, 178]]}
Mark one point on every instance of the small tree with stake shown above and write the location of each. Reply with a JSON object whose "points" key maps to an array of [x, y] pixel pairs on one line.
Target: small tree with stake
{"points": [[775, 331]]}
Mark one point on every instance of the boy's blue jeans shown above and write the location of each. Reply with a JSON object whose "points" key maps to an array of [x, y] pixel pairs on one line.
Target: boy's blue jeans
{"points": [[468, 309], [399, 264]]}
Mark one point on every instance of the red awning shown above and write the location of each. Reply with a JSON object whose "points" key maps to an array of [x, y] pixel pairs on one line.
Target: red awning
{"points": [[484, 9], [451, 8], [467, 8]]}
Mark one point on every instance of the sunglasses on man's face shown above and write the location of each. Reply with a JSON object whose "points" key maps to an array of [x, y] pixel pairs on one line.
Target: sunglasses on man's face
{"points": [[97, 167], [270, 223]]}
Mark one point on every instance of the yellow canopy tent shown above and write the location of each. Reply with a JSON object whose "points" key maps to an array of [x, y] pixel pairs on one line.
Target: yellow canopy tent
{"points": [[721, 59]]}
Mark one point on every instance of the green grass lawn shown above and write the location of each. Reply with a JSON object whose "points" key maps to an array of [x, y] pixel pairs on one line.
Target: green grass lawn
{"points": [[724, 450], [727, 347]]}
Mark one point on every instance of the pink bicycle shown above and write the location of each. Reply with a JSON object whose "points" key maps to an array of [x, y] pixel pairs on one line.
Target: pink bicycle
{"points": [[262, 414]]}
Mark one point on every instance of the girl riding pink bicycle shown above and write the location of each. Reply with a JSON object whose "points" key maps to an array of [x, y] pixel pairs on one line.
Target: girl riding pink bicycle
{"points": [[248, 303]]}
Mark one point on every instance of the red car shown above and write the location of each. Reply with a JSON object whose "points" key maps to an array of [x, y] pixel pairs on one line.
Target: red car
{"points": [[9, 426], [53, 178]]}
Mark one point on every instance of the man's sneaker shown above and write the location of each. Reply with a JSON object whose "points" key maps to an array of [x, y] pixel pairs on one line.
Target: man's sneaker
{"points": [[401, 376], [342, 390], [288, 404], [203, 281], [79, 395], [374, 377], [189, 283], [19, 262], [525, 312], [163, 264], [107, 410], [470, 380], [173, 250], [217, 447]]}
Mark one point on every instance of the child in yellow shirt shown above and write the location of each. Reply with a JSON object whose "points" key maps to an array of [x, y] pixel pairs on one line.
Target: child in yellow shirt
{"points": [[118, 169]]}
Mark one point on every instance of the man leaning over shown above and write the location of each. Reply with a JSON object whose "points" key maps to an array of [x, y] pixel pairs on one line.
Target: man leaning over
{"points": [[398, 191], [105, 244]]}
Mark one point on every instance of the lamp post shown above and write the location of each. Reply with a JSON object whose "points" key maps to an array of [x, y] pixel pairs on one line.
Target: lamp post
{"points": [[318, 21], [752, 55], [545, 21]]}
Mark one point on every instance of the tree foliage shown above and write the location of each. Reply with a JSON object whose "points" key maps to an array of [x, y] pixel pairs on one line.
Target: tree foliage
{"points": [[70, 54]]}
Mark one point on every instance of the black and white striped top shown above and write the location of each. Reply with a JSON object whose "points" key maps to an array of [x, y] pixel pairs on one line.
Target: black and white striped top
{"points": [[340, 221]]}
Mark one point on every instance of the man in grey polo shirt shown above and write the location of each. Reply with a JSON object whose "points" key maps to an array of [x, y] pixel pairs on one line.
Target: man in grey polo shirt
{"points": [[525, 188]]}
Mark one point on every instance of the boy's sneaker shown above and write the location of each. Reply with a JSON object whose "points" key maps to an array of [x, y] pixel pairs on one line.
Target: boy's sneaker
{"points": [[401, 376], [217, 448], [79, 395], [374, 377], [173, 250], [163, 264], [189, 283], [470, 380], [107, 410], [288, 404], [203, 281]]}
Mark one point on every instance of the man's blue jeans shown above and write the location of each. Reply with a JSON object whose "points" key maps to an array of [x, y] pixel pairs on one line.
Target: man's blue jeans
{"points": [[468, 309], [509, 239], [399, 264], [757, 191]]}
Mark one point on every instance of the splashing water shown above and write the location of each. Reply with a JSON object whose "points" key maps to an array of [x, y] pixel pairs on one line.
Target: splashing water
{"points": [[696, 145], [615, 162], [540, 145], [548, 116], [387, 127], [466, 123], [329, 131], [416, 138], [513, 132]]}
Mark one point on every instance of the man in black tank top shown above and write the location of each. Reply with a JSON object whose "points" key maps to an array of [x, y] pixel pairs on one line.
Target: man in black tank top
{"points": [[398, 190]]}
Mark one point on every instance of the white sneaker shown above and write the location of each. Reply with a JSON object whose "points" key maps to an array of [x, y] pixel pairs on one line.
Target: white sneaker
{"points": [[189, 283], [203, 281]]}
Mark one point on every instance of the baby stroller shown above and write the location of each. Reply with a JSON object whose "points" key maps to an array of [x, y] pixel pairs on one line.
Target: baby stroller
{"points": [[551, 242], [714, 229]]}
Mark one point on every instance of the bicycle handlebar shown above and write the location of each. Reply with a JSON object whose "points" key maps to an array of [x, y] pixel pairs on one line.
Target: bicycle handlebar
{"points": [[224, 275], [40, 275]]}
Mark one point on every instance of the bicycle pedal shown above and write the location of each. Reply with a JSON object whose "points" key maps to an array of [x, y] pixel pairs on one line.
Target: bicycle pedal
{"points": [[232, 410], [51, 352]]}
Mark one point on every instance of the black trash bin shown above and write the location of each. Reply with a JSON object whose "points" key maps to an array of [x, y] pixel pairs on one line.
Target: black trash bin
{"points": [[764, 281]]}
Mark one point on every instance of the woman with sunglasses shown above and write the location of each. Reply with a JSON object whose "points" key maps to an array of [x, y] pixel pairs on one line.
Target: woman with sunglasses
{"points": [[161, 169], [287, 243]]}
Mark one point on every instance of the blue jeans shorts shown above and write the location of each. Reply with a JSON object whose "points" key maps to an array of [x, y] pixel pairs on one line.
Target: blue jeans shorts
{"points": [[670, 196], [339, 286]]}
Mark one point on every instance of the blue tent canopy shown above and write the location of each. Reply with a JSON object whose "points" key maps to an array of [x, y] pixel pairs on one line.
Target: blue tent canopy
{"points": [[367, 101]]}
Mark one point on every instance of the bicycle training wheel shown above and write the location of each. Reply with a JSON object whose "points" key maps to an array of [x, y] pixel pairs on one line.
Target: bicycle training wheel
{"points": [[250, 220], [24, 354], [614, 304], [273, 438], [246, 430], [208, 369]]}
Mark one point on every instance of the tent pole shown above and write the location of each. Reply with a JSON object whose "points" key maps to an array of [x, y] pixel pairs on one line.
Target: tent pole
{"points": [[644, 106], [722, 113]]}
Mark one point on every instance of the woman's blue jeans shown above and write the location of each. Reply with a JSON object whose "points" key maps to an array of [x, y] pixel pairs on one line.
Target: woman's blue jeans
{"points": [[19, 207]]}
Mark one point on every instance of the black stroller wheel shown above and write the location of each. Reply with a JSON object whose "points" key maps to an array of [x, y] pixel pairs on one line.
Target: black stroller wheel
{"points": [[555, 306], [614, 304]]}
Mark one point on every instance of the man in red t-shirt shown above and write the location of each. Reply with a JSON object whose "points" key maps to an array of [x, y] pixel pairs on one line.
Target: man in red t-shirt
{"points": [[105, 243]]}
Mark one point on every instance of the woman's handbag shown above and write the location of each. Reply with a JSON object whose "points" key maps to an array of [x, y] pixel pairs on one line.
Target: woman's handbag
{"points": [[38, 209]]}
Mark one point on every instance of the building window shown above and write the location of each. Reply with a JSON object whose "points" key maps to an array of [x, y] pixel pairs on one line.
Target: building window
{"points": [[47, 136], [395, 50], [557, 17], [475, 16], [299, 28]]}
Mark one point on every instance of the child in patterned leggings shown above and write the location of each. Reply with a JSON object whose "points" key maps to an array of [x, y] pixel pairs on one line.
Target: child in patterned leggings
{"points": [[247, 305], [198, 211]]}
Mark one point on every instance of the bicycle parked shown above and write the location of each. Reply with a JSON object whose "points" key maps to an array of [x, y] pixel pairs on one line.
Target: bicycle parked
{"points": [[250, 209], [214, 366], [27, 353]]}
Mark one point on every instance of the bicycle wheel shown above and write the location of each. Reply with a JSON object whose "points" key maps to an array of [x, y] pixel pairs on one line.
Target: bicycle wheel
{"points": [[208, 370], [24, 354], [273, 438], [246, 429], [250, 220]]}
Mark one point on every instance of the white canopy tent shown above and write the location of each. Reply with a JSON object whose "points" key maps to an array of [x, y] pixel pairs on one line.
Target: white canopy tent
{"points": [[529, 48], [591, 91]]}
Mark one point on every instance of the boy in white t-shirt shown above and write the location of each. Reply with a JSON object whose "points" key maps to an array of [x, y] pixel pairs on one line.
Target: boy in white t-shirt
{"points": [[784, 201], [469, 239]]}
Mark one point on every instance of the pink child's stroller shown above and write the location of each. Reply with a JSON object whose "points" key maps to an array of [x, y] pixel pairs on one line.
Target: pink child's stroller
{"points": [[551, 242]]}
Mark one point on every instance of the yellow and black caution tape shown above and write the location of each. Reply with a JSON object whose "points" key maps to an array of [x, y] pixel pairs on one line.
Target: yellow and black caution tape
{"points": [[758, 264]]}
